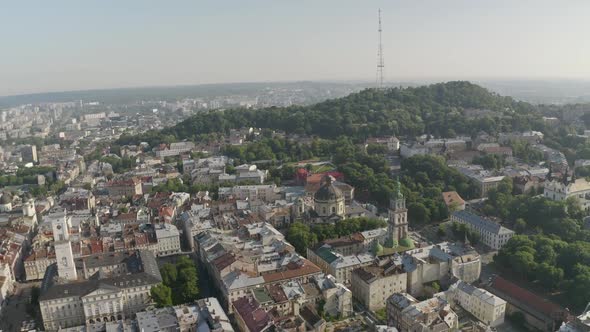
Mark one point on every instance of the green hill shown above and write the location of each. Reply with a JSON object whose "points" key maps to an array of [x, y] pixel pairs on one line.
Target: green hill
{"points": [[435, 109]]}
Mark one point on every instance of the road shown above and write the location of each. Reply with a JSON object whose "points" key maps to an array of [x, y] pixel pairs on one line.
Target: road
{"points": [[487, 266]]}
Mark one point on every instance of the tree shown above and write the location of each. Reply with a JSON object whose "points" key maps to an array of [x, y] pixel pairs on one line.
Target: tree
{"points": [[162, 295], [523, 262], [578, 290], [181, 279], [300, 236], [549, 276], [440, 231], [435, 286], [574, 209], [520, 225], [169, 274], [517, 318], [418, 213]]}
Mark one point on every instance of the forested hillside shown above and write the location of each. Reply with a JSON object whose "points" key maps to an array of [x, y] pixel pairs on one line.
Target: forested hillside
{"points": [[435, 109]]}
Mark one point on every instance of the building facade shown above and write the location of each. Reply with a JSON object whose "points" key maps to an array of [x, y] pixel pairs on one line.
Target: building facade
{"points": [[373, 285], [485, 306], [492, 234], [406, 313], [106, 296], [560, 191], [168, 238]]}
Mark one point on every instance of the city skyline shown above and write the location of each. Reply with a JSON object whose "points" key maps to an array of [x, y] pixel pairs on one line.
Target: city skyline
{"points": [[65, 46]]}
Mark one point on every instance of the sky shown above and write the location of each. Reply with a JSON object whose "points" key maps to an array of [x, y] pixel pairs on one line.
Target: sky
{"points": [[63, 45]]}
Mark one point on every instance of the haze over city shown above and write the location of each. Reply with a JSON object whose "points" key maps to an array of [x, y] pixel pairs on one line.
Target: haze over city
{"points": [[295, 166], [72, 45]]}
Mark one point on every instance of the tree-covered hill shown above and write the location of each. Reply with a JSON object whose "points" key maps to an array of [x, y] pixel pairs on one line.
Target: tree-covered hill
{"points": [[435, 109]]}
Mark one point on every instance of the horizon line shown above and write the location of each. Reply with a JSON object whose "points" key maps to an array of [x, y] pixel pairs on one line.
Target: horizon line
{"points": [[390, 83]]}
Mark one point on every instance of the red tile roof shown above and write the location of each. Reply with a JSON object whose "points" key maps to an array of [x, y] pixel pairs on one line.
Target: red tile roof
{"points": [[224, 261], [294, 271], [451, 197], [255, 318], [526, 297]]}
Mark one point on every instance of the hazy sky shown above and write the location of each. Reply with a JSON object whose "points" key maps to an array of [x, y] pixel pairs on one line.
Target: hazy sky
{"points": [[72, 45]]}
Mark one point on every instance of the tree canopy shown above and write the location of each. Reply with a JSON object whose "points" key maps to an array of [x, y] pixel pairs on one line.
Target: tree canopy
{"points": [[554, 263], [179, 283], [434, 109], [303, 236]]}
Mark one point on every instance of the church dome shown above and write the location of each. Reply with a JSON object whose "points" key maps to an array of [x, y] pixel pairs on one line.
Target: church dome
{"points": [[6, 199], [328, 192], [407, 242]]}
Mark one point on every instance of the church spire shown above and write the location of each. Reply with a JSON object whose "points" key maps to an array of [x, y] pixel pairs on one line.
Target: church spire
{"points": [[397, 194]]}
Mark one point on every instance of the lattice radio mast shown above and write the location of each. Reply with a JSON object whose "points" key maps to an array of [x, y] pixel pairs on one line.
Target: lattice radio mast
{"points": [[380, 63]]}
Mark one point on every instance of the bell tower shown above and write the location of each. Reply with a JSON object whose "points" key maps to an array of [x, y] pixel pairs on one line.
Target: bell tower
{"points": [[397, 226]]}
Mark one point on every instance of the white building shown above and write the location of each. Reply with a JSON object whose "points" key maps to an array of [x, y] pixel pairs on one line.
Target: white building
{"points": [[407, 151], [391, 142], [406, 313], [338, 265], [118, 289], [267, 193], [249, 173], [168, 238], [338, 298], [372, 285], [63, 248], [484, 179], [485, 306], [206, 315], [492, 234], [174, 149], [560, 191]]}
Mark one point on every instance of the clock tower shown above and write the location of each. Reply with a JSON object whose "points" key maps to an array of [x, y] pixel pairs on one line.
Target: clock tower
{"points": [[66, 267]]}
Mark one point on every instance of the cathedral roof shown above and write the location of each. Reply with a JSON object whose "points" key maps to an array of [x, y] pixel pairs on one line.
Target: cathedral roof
{"points": [[328, 191]]}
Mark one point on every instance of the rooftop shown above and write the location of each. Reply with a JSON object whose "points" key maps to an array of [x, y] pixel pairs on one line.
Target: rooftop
{"points": [[480, 222]]}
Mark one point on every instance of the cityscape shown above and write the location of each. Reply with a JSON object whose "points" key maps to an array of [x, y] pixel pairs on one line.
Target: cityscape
{"points": [[396, 204]]}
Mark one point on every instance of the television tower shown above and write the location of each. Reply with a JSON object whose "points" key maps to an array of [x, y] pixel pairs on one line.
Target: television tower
{"points": [[380, 63]]}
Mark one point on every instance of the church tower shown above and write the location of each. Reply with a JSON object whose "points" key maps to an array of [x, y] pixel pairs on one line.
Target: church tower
{"points": [[397, 226], [64, 255], [29, 207]]}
